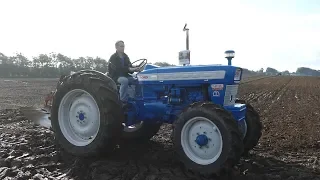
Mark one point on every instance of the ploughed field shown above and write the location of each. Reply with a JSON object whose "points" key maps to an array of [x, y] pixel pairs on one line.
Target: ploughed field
{"points": [[289, 147]]}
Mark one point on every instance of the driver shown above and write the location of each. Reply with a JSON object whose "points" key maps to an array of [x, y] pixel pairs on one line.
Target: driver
{"points": [[119, 68]]}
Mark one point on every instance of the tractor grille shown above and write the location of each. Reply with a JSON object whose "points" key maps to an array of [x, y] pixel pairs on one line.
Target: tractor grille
{"points": [[230, 94]]}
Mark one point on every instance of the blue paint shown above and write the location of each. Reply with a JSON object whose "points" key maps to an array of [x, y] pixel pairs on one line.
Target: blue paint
{"points": [[202, 140], [228, 79], [81, 116], [163, 101]]}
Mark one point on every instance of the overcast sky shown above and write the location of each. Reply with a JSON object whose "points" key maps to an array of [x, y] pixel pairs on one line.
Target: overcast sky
{"points": [[283, 34]]}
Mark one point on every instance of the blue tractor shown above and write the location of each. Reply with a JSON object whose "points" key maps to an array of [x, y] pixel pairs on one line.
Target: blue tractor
{"points": [[212, 129]]}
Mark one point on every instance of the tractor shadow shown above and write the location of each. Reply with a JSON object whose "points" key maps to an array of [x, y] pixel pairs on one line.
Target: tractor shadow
{"points": [[255, 167], [148, 151], [155, 155]]}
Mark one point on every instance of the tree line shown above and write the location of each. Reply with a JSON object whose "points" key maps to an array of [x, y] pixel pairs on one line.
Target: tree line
{"points": [[304, 71], [50, 65], [57, 64]]}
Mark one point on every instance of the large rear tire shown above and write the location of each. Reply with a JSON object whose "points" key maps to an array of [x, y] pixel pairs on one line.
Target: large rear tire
{"points": [[86, 114], [209, 123], [254, 127]]}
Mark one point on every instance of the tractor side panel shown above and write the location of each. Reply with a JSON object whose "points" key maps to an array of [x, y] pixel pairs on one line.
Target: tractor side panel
{"points": [[223, 94], [167, 91]]}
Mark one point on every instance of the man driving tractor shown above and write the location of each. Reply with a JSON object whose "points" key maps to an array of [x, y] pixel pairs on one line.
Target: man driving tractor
{"points": [[119, 68]]}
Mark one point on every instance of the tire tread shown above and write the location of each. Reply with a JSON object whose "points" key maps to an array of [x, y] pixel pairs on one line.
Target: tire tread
{"points": [[109, 106]]}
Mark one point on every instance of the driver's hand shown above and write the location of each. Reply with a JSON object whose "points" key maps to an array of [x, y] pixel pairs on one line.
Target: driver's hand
{"points": [[131, 69]]}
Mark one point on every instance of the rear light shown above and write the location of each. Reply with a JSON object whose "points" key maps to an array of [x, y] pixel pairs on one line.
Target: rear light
{"points": [[237, 74]]}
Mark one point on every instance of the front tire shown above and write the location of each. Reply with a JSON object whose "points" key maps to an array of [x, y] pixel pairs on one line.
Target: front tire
{"points": [[195, 127], [86, 114]]}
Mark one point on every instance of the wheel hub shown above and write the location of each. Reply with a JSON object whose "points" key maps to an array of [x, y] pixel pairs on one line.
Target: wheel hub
{"points": [[81, 116], [202, 140]]}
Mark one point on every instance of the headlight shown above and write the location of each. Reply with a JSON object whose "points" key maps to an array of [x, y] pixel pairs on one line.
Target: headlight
{"points": [[237, 74]]}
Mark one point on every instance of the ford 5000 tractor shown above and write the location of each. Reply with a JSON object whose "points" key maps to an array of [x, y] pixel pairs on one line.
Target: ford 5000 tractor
{"points": [[211, 128]]}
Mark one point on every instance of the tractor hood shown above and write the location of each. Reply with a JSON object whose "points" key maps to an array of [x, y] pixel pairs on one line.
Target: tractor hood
{"points": [[193, 74]]}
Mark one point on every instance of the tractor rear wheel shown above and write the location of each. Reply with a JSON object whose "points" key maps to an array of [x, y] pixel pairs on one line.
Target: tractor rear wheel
{"points": [[86, 114], [254, 127], [207, 139], [140, 132]]}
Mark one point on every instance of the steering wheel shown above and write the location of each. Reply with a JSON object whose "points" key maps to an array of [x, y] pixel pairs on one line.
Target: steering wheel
{"points": [[143, 63]]}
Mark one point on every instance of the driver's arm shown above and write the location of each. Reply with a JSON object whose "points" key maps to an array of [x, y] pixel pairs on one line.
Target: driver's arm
{"points": [[129, 65]]}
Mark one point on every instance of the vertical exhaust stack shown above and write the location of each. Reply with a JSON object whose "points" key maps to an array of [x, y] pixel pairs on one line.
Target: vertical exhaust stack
{"points": [[229, 54], [187, 35], [184, 56]]}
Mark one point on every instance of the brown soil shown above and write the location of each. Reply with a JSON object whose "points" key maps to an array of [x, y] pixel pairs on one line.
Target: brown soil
{"points": [[288, 149]]}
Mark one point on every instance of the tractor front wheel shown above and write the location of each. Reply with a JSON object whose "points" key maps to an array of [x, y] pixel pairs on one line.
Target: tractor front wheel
{"points": [[86, 114], [207, 138]]}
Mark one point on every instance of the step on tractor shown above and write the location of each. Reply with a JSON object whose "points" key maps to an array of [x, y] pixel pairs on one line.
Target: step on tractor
{"points": [[212, 129]]}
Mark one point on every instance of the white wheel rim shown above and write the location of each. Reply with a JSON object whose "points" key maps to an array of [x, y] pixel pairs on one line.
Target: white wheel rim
{"points": [[79, 117], [132, 128], [193, 132]]}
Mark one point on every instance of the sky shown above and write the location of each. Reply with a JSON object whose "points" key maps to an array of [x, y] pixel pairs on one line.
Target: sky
{"points": [[283, 34]]}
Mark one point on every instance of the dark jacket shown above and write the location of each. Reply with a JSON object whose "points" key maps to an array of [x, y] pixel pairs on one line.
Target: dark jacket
{"points": [[115, 67]]}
